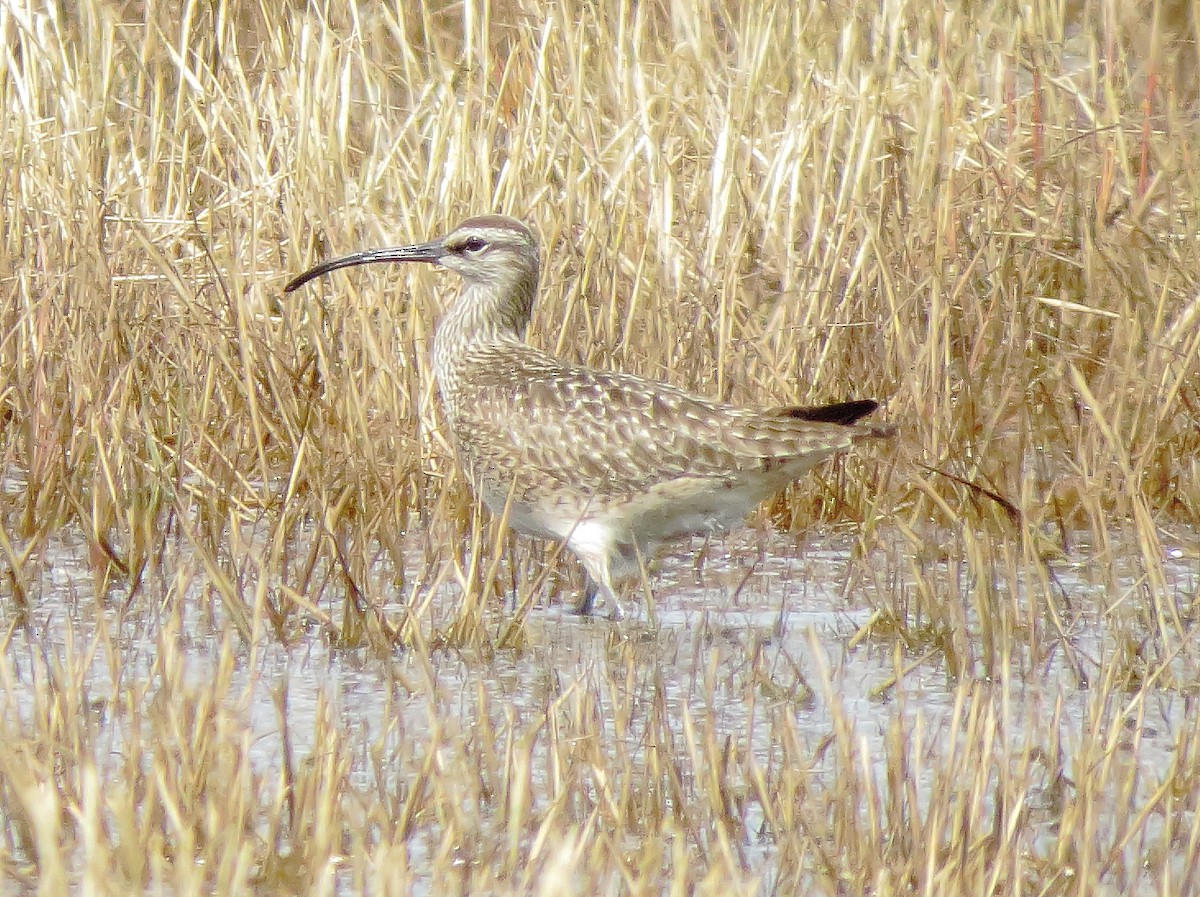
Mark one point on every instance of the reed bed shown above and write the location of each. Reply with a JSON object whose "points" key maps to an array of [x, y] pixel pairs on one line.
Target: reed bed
{"points": [[225, 510]]}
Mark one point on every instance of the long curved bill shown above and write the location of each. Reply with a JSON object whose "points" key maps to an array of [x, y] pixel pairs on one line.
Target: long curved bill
{"points": [[421, 252]]}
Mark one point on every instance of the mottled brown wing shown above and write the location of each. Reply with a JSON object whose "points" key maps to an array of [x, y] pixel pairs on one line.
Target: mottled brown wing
{"points": [[610, 435]]}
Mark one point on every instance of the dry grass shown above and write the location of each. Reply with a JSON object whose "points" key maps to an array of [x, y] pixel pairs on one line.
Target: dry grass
{"points": [[990, 221]]}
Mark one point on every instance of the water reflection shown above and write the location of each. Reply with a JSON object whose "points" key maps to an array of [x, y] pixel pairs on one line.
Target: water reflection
{"points": [[759, 633]]}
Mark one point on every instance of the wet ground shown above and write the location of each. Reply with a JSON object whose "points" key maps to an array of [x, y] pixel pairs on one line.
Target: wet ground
{"points": [[765, 625]]}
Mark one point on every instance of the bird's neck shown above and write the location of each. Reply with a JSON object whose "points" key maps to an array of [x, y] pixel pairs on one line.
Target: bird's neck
{"points": [[482, 317]]}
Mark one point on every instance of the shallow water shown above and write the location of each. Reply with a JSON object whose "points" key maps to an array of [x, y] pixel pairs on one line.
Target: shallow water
{"points": [[762, 627]]}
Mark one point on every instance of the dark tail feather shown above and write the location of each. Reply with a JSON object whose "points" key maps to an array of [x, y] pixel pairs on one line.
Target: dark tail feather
{"points": [[845, 413]]}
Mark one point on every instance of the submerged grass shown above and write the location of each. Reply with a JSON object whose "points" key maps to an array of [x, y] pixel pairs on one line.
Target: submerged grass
{"points": [[985, 216]]}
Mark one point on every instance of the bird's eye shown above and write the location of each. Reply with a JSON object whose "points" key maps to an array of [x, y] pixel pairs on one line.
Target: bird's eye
{"points": [[474, 244]]}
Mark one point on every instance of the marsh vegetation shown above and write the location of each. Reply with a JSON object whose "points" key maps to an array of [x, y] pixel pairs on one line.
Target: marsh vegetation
{"points": [[258, 637]]}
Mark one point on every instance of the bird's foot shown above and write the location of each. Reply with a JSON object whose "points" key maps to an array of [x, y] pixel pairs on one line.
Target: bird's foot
{"points": [[588, 604], [616, 610]]}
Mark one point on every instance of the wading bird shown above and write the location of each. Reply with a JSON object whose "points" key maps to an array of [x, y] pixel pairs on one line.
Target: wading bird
{"points": [[613, 464]]}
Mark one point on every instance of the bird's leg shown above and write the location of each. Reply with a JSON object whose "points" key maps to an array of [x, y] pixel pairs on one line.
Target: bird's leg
{"points": [[616, 607], [590, 590], [600, 587]]}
